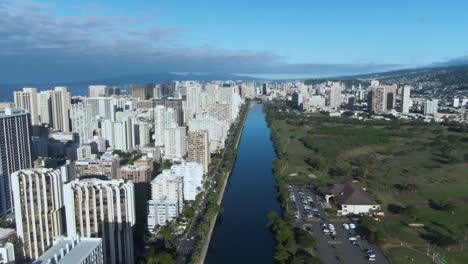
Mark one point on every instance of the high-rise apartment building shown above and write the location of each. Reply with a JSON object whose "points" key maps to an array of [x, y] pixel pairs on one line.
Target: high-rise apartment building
{"points": [[119, 133], [38, 204], [175, 104], [456, 102], [141, 178], [166, 199], [167, 186], [15, 151], [98, 91], [198, 148], [264, 89], [164, 118], [45, 108], [28, 100], [431, 107], [381, 98], [217, 130], [175, 143], [406, 100], [102, 107], [335, 96], [82, 122], [60, 107], [192, 175], [104, 209], [391, 94], [143, 92]]}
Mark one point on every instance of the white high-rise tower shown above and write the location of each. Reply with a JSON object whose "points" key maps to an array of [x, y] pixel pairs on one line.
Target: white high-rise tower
{"points": [[406, 102], [28, 100]]}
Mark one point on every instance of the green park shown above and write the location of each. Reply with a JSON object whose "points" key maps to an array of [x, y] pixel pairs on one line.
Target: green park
{"points": [[417, 171]]}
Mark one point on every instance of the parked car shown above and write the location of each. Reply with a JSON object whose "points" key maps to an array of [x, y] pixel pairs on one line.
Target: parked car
{"points": [[352, 239]]}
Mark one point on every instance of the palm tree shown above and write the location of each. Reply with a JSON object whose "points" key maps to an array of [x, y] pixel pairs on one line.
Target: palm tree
{"points": [[168, 237]]}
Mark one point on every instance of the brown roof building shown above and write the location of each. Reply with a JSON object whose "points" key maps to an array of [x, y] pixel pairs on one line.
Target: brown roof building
{"points": [[353, 199], [135, 174]]}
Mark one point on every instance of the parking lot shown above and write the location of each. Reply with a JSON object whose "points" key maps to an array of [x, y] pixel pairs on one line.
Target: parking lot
{"points": [[336, 243]]}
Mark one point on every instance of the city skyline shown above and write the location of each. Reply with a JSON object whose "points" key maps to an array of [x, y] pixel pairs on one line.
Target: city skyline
{"points": [[233, 131], [59, 41]]}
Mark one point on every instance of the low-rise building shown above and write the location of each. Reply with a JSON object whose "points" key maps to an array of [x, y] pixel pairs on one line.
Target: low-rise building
{"points": [[161, 212], [7, 253], [107, 166], [353, 199], [77, 251], [134, 173]]}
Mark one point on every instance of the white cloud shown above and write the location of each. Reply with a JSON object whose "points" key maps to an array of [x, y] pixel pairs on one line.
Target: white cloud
{"points": [[36, 46]]}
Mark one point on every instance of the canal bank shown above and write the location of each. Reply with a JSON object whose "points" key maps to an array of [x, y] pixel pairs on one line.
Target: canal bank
{"points": [[206, 244], [241, 234]]}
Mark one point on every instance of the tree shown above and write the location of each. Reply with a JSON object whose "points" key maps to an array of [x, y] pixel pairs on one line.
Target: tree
{"points": [[305, 240], [18, 247], [381, 237], [281, 255], [160, 257], [410, 211], [167, 235], [369, 223], [3, 222], [188, 212]]}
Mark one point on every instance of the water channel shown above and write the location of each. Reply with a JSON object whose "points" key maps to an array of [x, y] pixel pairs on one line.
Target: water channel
{"points": [[241, 235]]}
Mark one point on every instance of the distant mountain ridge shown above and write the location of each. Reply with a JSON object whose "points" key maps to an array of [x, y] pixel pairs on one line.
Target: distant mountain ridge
{"points": [[440, 81]]}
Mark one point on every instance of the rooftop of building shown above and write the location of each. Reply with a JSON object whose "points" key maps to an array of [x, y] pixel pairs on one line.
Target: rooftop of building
{"points": [[165, 175], [39, 170], [6, 232], [352, 194], [78, 250], [134, 168], [98, 182], [7, 112]]}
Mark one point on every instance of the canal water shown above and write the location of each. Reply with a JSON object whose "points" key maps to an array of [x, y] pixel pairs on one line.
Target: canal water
{"points": [[242, 235]]}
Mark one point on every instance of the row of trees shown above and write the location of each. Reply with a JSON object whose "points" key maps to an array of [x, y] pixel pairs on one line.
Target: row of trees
{"points": [[293, 245]]}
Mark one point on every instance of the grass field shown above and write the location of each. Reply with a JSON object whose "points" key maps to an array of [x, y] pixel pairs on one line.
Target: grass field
{"points": [[423, 166], [403, 255]]}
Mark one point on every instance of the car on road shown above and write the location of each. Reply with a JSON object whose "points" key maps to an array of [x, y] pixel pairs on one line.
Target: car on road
{"points": [[345, 226], [352, 226], [352, 239]]}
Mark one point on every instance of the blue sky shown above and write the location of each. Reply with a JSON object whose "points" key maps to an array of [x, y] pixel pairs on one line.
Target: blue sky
{"points": [[74, 40]]}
